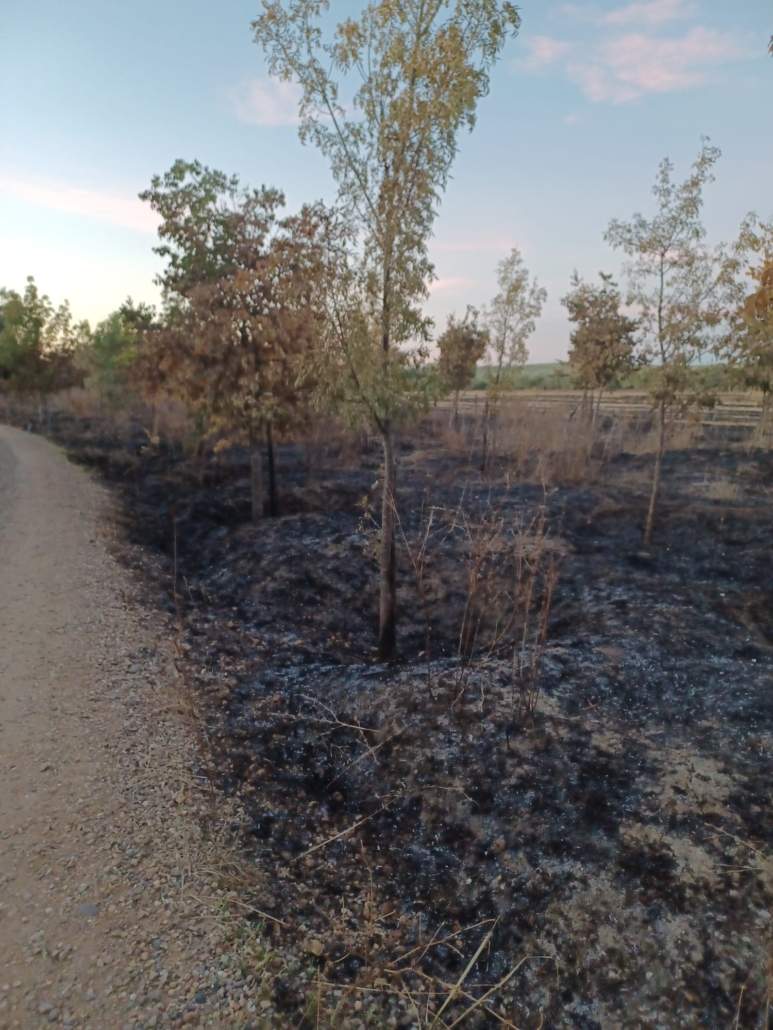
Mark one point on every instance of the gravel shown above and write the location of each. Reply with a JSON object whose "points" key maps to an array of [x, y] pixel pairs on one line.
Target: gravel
{"points": [[113, 912]]}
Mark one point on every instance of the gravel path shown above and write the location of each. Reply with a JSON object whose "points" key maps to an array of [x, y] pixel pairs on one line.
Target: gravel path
{"points": [[108, 914]]}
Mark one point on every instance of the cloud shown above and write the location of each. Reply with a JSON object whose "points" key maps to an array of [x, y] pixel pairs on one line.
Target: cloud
{"points": [[649, 12], [543, 51], [623, 53], [117, 209], [627, 67], [267, 102]]}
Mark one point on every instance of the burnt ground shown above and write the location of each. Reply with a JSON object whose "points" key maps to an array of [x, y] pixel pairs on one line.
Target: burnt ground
{"points": [[614, 845]]}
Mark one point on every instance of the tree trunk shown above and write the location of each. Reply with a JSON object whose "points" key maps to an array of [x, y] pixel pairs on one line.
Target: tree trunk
{"points": [[765, 417], [387, 625], [273, 499], [470, 620], [486, 416], [585, 406], [596, 408], [455, 420], [256, 481], [656, 475], [201, 461]]}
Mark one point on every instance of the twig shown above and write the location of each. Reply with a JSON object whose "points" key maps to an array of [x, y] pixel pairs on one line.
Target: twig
{"points": [[371, 751], [264, 915], [337, 836], [444, 940], [737, 1020], [465, 974], [738, 840], [484, 997]]}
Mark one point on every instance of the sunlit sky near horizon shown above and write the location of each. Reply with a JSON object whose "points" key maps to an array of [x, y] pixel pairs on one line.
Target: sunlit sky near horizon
{"points": [[98, 96]]}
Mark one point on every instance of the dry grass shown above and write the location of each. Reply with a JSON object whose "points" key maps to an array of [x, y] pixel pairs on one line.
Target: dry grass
{"points": [[329, 443], [553, 444], [722, 489], [507, 567]]}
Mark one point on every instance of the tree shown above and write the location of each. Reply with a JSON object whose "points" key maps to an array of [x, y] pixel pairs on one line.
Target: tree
{"points": [[259, 325], [511, 319], [210, 224], [112, 353], [38, 345], [757, 337], [461, 347], [242, 293], [410, 74], [749, 345], [603, 342], [678, 286]]}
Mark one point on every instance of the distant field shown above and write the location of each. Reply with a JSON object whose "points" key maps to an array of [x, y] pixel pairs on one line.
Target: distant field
{"points": [[736, 408], [555, 375], [548, 374]]}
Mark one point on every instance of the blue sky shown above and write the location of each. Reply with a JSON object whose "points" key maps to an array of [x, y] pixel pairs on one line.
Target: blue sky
{"points": [[97, 96]]}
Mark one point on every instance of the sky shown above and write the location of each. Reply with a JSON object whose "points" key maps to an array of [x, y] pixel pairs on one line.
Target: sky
{"points": [[100, 95]]}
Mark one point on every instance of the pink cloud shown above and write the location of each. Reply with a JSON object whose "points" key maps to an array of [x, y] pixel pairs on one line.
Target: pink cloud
{"points": [[543, 51], [267, 102], [628, 67], [118, 209]]}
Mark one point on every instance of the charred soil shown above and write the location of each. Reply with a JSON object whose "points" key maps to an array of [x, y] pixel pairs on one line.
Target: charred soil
{"points": [[613, 844]]}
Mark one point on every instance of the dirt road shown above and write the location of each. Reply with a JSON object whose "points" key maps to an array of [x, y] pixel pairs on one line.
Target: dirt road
{"points": [[102, 921]]}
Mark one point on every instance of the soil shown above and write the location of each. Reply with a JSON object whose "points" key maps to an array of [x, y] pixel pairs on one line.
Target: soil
{"points": [[610, 849]]}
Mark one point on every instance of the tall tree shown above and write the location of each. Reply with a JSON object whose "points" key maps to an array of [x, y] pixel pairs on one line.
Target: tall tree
{"points": [[461, 347], [678, 286], [241, 287], [603, 340], [385, 98], [511, 319]]}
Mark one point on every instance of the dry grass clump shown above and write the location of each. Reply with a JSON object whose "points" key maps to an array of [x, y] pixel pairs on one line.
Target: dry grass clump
{"points": [[505, 566], [328, 443], [548, 444], [512, 570]]}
